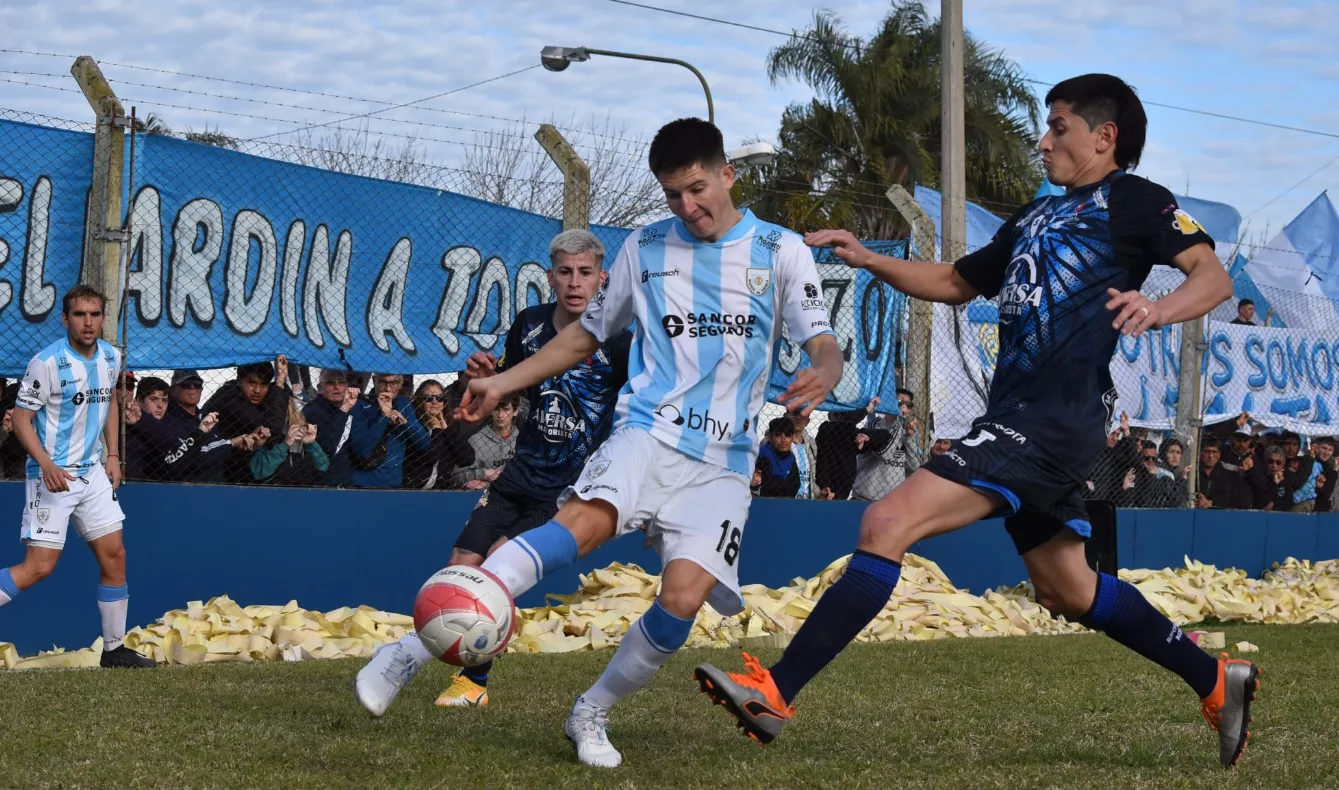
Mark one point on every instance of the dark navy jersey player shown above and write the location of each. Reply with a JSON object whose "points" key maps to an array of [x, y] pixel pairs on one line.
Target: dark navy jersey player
{"points": [[1066, 272], [569, 414]]}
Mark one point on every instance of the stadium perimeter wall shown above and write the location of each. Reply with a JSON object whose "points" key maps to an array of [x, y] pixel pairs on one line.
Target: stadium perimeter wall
{"points": [[332, 548]]}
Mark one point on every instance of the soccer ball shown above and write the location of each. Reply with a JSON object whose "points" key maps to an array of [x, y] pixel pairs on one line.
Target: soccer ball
{"points": [[464, 615]]}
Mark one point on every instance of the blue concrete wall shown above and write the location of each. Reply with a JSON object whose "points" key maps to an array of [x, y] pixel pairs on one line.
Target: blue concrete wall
{"points": [[340, 548]]}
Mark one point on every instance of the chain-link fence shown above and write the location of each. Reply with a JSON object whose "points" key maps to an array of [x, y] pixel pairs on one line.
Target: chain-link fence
{"points": [[297, 313]]}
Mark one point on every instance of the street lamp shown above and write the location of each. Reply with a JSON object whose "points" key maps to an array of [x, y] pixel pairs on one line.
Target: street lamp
{"points": [[559, 58], [759, 153]]}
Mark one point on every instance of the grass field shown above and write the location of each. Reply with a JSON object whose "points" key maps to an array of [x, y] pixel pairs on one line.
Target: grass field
{"points": [[1073, 711]]}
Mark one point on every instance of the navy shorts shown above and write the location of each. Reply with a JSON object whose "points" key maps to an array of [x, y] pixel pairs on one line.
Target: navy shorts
{"points": [[1039, 497], [503, 514]]}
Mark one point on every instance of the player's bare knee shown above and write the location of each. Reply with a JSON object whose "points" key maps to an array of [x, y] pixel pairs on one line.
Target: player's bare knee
{"points": [[886, 528], [37, 568], [682, 602], [591, 522]]}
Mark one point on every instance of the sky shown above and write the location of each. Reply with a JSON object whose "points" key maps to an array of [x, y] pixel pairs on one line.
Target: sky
{"points": [[1271, 61]]}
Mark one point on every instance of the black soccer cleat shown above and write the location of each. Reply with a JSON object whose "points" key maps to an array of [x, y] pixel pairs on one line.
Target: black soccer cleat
{"points": [[125, 658]]}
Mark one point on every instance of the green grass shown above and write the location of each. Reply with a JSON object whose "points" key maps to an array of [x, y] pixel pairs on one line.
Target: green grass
{"points": [[1064, 712]]}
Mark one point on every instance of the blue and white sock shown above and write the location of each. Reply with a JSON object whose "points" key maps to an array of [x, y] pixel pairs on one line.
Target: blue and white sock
{"points": [[113, 603], [645, 648], [522, 561], [1124, 614], [8, 589]]}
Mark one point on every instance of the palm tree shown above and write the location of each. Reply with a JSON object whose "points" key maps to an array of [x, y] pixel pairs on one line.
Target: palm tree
{"points": [[875, 121]]}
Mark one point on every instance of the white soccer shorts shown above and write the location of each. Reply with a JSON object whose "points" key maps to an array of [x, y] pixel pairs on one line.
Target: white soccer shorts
{"points": [[88, 505], [692, 510]]}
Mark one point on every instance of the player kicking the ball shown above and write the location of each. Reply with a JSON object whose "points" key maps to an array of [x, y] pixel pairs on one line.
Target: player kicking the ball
{"points": [[64, 401], [570, 414], [706, 292], [1067, 271]]}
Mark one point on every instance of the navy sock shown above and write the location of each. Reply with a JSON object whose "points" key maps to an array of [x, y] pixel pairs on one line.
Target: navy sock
{"points": [[1122, 613], [478, 674], [843, 611]]}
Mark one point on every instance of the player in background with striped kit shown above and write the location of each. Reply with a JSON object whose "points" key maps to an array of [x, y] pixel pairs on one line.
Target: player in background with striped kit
{"points": [[62, 421]]}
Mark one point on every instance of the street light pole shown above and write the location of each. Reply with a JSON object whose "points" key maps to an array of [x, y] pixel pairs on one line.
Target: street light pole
{"points": [[558, 58]]}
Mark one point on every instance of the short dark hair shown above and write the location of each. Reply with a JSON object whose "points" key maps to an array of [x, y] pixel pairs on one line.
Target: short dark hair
{"points": [[1245, 302], [148, 386], [81, 292], [1102, 98], [261, 370], [1323, 440], [1290, 435], [1147, 445], [907, 392], [781, 426], [1210, 441], [684, 143]]}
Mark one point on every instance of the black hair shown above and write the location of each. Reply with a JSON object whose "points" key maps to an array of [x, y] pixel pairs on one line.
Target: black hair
{"points": [[1102, 98], [781, 426], [1148, 445], [148, 386], [1245, 302], [261, 370], [82, 292], [684, 143], [907, 392], [1323, 440], [1210, 441]]}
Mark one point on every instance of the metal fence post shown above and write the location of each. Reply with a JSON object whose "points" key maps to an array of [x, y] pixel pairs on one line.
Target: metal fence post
{"points": [[1188, 417], [576, 176], [103, 230], [920, 313]]}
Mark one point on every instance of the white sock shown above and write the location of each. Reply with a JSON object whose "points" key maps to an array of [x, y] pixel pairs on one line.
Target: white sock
{"points": [[414, 645], [4, 598], [632, 666], [113, 615], [514, 566]]}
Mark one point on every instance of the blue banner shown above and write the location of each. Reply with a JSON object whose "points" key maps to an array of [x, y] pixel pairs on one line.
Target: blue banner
{"points": [[236, 258]]}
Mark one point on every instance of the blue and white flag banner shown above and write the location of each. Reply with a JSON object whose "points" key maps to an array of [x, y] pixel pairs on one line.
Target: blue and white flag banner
{"points": [[236, 258]]}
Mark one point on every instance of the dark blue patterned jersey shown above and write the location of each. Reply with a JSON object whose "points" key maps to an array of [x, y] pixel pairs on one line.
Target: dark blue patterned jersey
{"points": [[570, 414], [1051, 265]]}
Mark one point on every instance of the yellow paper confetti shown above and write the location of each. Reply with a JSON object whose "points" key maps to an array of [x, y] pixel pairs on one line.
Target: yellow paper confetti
{"points": [[924, 606]]}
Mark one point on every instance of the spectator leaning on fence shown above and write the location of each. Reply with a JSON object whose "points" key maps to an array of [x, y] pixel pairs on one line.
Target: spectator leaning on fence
{"points": [[146, 437], [251, 404], [1120, 455], [886, 456], [296, 460], [449, 447], [1171, 458], [198, 453], [1324, 450], [776, 473], [1218, 488], [836, 443], [1148, 484], [493, 448], [1273, 486], [332, 414], [806, 457], [383, 425]]}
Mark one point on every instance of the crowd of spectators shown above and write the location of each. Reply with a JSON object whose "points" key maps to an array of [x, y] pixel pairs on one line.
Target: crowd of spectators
{"points": [[272, 424]]}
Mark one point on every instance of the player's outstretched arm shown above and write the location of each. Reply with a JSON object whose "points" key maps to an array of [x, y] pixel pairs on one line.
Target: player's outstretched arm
{"points": [[565, 351], [930, 282], [1207, 285]]}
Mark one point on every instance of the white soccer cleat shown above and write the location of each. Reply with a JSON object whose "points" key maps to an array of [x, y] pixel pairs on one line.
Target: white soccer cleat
{"points": [[585, 728], [390, 670]]}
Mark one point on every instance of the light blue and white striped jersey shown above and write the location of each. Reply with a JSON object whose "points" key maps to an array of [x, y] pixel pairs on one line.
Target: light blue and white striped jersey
{"points": [[72, 396], [708, 320]]}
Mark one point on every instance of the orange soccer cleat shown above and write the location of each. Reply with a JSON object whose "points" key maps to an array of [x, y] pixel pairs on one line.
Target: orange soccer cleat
{"points": [[752, 698]]}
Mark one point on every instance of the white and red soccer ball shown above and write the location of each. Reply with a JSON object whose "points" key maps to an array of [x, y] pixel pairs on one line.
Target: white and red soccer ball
{"points": [[464, 615]]}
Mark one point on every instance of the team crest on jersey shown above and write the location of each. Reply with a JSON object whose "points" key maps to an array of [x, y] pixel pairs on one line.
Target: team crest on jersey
{"points": [[598, 469], [759, 280], [1186, 223], [43, 515]]}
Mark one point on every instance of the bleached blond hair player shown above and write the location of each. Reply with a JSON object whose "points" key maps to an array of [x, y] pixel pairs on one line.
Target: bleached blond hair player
{"points": [[64, 402], [706, 294]]}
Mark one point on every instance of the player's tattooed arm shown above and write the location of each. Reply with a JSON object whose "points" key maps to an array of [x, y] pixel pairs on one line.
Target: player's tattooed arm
{"points": [[1207, 285], [930, 282]]}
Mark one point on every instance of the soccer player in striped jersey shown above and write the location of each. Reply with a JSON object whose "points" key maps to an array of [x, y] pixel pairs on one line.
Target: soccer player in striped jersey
{"points": [[706, 293], [65, 406]]}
